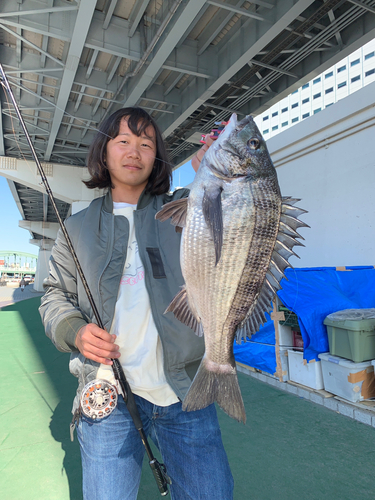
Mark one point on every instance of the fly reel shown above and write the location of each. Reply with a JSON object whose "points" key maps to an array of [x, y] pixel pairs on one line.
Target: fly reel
{"points": [[98, 399]]}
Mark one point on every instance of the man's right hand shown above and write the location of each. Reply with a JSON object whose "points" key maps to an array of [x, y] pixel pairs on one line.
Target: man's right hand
{"points": [[97, 344]]}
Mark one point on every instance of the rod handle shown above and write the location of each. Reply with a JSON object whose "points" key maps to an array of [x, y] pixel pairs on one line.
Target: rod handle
{"points": [[161, 477]]}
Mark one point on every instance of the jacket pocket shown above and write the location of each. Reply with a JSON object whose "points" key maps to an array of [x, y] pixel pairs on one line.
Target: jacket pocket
{"points": [[156, 263]]}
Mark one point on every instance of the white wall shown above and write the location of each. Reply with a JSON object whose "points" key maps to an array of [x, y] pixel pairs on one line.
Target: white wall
{"points": [[328, 160]]}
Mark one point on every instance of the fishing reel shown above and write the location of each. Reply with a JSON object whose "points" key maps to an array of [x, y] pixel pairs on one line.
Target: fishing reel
{"points": [[98, 399]]}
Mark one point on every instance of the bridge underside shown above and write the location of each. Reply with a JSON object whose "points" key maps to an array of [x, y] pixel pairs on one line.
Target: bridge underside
{"points": [[189, 63]]}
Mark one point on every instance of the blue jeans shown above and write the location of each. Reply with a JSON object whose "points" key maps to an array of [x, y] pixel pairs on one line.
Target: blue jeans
{"points": [[189, 442]]}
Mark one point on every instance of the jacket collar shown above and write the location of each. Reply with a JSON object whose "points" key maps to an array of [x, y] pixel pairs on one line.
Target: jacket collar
{"points": [[143, 201]]}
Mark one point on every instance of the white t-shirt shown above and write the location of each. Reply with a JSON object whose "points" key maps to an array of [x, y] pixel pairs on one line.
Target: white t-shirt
{"points": [[137, 336]]}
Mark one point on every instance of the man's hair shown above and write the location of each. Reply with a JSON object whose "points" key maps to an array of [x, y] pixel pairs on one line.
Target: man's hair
{"points": [[138, 120]]}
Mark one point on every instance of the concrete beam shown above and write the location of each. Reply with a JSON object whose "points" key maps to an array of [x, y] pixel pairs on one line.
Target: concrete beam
{"points": [[34, 12], [235, 54], [65, 180], [83, 21], [139, 84], [45, 229], [136, 15]]}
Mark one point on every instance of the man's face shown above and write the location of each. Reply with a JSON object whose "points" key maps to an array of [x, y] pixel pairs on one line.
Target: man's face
{"points": [[130, 159]]}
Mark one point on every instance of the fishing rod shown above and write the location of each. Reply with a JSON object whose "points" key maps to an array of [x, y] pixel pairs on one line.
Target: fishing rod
{"points": [[99, 397]]}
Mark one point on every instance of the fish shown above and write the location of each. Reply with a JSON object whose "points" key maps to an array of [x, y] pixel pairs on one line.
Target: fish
{"points": [[238, 233]]}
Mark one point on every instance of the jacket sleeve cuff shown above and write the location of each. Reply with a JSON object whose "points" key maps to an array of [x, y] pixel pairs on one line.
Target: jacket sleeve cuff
{"points": [[66, 332]]}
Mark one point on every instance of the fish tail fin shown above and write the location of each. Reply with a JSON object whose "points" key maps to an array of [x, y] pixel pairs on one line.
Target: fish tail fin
{"points": [[209, 386]]}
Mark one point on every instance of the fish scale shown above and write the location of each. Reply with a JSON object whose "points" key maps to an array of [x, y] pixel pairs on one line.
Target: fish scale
{"points": [[238, 233]]}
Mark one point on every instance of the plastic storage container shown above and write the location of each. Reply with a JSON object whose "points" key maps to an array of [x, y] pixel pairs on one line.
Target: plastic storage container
{"points": [[308, 374], [351, 334], [352, 381]]}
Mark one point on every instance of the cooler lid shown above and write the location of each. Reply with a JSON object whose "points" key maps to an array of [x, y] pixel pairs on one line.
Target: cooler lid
{"points": [[326, 356], [352, 319]]}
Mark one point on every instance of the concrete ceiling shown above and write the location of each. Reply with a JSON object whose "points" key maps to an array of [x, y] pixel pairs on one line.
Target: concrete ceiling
{"points": [[188, 62]]}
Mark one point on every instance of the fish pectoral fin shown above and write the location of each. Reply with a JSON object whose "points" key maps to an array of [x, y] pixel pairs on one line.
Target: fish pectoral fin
{"points": [[176, 209], [181, 309], [213, 215]]}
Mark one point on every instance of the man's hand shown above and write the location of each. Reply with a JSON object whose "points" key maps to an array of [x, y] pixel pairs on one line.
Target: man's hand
{"points": [[97, 344], [197, 158]]}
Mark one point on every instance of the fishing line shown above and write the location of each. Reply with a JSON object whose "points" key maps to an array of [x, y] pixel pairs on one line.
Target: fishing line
{"points": [[84, 122], [97, 130], [96, 392]]}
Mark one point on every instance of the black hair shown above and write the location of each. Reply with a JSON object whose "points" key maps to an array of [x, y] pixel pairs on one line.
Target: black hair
{"points": [[138, 120]]}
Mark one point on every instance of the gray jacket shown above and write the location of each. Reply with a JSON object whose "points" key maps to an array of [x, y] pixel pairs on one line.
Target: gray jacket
{"points": [[100, 240]]}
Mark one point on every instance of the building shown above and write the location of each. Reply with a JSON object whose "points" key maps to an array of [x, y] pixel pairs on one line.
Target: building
{"points": [[347, 76]]}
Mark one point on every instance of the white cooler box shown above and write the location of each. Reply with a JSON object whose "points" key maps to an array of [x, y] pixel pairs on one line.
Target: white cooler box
{"points": [[308, 374], [352, 381]]}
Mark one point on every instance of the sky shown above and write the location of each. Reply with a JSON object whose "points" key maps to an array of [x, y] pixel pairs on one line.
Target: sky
{"points": [[15, 238], [12, 237]]}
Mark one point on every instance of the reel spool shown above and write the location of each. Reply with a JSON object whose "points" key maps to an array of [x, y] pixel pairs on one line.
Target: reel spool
{"points": [[98, 399]]}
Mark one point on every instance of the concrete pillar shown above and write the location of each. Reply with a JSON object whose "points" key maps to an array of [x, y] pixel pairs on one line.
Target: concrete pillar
{"points": [[77, 206], [42, 267]]}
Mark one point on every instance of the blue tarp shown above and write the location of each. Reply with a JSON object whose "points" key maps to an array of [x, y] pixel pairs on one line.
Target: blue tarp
{"points": [[259, 352], [311, 293]]}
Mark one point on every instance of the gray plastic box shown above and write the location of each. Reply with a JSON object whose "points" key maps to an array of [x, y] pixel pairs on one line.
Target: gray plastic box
{"points": [[351, 334]]}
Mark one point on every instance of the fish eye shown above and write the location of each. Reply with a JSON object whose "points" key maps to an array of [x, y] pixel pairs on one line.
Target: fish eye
{"points": [[253, 143]]}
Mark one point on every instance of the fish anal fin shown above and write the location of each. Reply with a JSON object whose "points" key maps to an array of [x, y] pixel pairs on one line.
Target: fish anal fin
{"points": [[176, 209], [182, 311], [212, 211]]}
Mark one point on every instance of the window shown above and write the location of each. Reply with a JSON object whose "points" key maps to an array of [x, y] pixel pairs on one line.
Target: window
{"points": [[317, 110], [317, 95], [306, 115], [306, 100], [330, 104], [295, 92], [265, 131], [317, 80], [275, 114], [328, 91], [306, 86], [341, 85], [294, 105], [275, 127], [284, 124], [343, 68], [295, 119], [265, 118], [284, 110], [370, 72], [371, 54], [328, 75], [355, 62], [355, 78]]}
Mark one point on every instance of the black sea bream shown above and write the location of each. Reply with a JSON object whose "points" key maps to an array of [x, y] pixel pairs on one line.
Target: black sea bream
{"points": [[238, 233]]}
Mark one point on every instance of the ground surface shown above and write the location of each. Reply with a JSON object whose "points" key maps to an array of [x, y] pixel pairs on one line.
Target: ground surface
{"points": [[290, 448]]}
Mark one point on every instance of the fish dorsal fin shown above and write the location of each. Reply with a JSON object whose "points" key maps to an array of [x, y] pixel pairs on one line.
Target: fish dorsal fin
{"points": [[176, 209], [213, 216], [286, 240], [182, 311]]}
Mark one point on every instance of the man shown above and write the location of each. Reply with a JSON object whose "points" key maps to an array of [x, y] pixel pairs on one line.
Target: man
{"points": [[131, 263]]}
